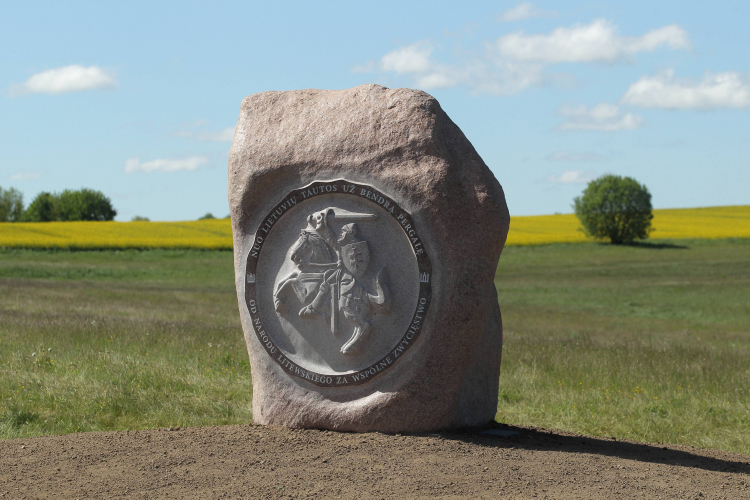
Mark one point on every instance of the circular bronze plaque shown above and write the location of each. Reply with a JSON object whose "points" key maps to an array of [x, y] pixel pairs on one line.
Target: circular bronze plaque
{"points": [[338, 283]]}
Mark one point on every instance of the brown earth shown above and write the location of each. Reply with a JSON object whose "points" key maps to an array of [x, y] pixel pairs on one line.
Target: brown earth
{"points": [[272, 462]]}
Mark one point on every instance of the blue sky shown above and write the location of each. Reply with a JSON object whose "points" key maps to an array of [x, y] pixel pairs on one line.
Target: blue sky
{"points": [[139, 99]]}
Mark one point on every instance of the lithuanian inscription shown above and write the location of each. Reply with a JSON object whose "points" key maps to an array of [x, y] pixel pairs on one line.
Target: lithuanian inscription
{"points": [[337, 283]]}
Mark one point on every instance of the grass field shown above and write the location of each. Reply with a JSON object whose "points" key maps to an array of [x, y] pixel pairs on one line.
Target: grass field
{"points": [[119, 340], [216, 234], [649, 342]]}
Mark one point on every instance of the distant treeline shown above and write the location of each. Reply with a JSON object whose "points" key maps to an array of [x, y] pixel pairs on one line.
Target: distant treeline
{"points": [[69, 205]]}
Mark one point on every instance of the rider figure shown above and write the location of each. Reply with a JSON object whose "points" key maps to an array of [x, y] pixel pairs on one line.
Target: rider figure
{"points": [[338, 286], [335, 273]]}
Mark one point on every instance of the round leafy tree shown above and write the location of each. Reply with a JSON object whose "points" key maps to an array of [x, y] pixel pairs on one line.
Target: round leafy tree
{"points": [[84, 204], [615, 207], [43, 208], [11, 205]]}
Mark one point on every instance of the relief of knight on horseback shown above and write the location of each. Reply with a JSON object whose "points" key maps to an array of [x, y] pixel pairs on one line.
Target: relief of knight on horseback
{"points": [[328, 279]]}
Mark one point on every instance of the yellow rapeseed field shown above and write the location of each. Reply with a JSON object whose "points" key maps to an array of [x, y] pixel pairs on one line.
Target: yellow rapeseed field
{"points": [[676, 223], [215, 234]]}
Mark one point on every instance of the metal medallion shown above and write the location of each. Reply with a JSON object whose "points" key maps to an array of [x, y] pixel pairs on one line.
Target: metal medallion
{"points": [[338, 283]]}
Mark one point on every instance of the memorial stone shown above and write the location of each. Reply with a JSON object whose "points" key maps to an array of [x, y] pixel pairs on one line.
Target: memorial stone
{"points": [[367, 231]]}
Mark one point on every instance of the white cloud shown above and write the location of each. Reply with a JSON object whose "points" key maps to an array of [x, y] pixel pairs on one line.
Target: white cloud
{"points": [[491, 75], [516, 61], [439, 78], [570, 156], [225, 135], [572, 177], [364, 68], [414, 58], [499, 76], [164, 165], [25, 176], [524, 10], [66, 79], [719, 90], [596, 42], [604, 116]]}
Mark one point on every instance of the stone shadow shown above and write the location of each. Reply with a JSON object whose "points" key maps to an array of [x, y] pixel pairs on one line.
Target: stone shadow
{"points": [[544, 440]]}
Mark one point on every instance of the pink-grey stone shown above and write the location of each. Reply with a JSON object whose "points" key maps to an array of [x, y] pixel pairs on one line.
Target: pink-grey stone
{"points": [[400, 142]]}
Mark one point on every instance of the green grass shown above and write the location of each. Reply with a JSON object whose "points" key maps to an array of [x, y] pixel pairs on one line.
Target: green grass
{"points": [[646, 342], [119, 340], [640, 342]]}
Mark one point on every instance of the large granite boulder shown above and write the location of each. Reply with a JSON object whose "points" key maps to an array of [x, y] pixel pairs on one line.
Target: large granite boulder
{"points": [[367, 231]]}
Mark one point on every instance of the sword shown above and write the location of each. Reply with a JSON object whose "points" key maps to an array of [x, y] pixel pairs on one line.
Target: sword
{"points": [[335, 303]]}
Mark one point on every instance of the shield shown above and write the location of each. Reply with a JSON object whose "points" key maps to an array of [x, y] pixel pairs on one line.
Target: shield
{"points": [[356, 257]]}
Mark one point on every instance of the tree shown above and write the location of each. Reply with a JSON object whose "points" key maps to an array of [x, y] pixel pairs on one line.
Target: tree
{"points": [[11, 205], [44, 208], [614, 207], [85, 204], [209, 215]]}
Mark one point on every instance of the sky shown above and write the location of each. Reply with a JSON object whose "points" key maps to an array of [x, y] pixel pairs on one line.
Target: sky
{"points": [[140, 99]]}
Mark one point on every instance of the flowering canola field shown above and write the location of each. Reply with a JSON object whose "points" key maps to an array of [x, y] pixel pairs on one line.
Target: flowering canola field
{"points": [[216, 234], [212, 234], [674, 223]]}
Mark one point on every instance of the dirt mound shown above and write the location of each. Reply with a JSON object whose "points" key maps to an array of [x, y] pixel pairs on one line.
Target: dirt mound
{"points": [[270, 462]]}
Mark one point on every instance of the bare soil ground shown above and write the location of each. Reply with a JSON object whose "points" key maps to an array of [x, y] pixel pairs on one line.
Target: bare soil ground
{"points": [[249, 461]]}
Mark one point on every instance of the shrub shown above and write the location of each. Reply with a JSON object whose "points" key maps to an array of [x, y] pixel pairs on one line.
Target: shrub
{"points": [[209, 215], [11, 205], [614, 207], [140, 218]]}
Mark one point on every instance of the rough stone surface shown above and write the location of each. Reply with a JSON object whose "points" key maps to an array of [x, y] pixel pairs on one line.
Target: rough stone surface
{"points": [[401, 143]]}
